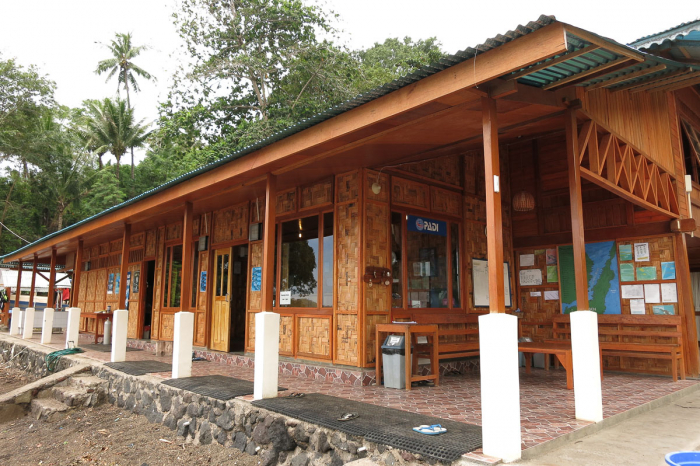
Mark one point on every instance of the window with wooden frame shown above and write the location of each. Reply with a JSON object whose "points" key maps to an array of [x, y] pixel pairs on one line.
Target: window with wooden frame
{"points": [[173, 276], [305, 262], [691, 150]]}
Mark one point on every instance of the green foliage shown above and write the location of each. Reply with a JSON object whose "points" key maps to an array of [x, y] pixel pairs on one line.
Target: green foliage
{"points": [[395, 58], [105, 193]]}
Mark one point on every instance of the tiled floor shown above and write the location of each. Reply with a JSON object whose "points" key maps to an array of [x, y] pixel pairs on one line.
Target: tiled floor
{"points": [[547, 407]]}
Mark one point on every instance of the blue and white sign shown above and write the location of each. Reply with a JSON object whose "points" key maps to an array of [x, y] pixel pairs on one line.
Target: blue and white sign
{"points": [[427, 225]]}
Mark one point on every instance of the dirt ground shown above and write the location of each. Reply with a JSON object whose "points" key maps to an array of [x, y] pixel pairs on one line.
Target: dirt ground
{"points": [[11, 379], [105, 435]]}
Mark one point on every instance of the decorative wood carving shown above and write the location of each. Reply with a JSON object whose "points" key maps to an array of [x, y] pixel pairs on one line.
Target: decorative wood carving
{"points": [[286, 334]]}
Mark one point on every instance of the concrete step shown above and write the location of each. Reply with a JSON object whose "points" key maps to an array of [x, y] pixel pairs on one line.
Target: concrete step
{"points": [[47, 407]]}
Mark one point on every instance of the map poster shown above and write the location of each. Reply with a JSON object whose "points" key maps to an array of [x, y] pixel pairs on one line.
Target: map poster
{"points": [[668, 271], [625, 252], [646, 273], [641, 252], [626, 272], [602, 277], [551, 256], [552, 275], [663, 310]]}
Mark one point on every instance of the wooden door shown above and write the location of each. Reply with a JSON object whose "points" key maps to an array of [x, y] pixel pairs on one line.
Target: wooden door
{"points": [[221, 301]]}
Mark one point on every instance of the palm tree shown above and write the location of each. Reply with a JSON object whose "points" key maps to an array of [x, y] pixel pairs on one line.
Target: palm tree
{"points": [[121, 64], [110, 126]]}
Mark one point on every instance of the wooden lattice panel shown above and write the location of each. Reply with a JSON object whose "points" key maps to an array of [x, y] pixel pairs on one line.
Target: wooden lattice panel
{"points": [[167, 326], [135, 255], [377, 248], [446, 169], [347, 255], [137, 240], [286, 202], [150, 243], [200, 329], [173, 231], [409, 193], [372, 177], [231, 224], [347, 337], [286, 334], [445, 202], [371, 322], [157, 290], [202, 295], [316, 195], [348, 186], [257, 210], [314, 336], [256, 258]]}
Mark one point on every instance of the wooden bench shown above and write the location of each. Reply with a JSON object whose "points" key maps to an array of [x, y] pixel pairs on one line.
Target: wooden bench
{"points": [[622, 336], [466, 347]]}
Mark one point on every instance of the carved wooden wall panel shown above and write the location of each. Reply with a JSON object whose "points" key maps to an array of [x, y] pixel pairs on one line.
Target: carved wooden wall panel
{"points": [[101, 289], [347, 337], [445, 202], [446, 169], [137, 240], [314, 336], [409, 193], [231, 224], [316, 195], [286, 334], [116, 246], [200, 329], [474, 174], [250, 333], [195, 225], [286, 202]]}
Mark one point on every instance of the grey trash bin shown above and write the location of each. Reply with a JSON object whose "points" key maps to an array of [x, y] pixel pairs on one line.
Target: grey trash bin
{"points": [[394, 361]]}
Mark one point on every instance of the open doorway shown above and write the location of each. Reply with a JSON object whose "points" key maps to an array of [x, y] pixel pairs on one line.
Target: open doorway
{"points": [[238, 297], [147, 286]]}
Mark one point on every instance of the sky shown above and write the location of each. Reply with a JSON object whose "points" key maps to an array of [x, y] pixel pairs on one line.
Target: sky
{"points": [[66, 39]]}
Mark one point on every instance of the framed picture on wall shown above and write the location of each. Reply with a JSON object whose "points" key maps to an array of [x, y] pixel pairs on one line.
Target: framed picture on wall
{"points": [[480, 283]]}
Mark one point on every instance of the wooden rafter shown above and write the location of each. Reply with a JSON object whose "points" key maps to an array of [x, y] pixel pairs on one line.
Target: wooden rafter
{"points": [[588, 72], [666, 82], [627, 77], [552, 62], [621, 168], [647, 83]]}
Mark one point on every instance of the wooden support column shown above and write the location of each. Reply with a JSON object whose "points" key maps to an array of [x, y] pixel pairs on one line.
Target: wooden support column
{"points": [[494, 224], [20, 268], [51, 299], [268, 276], [121, 303], [77, 271], [686, 307], [186, 292], [31, 289], [580, 272]]}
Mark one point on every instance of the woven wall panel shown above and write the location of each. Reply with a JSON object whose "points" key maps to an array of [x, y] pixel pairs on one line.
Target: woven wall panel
{"points": [[250, 334], [286, 334], [383, 181], [150, 243], [91, 279], [83, 287], [132, 326], [195, 225], [445, 202], [157, 289], [348, 186], [446, 169], [474, 174], [348, 255], [371, 322], [474, 208], [137, 240], [377, 249], [286, 202], [101, 289], [257, 210], [409, 193], [231, 224], [314, 336], [116, 246], [86, 254], [167, 326], [200, 322], [256, 258], [135, 255], [101, 250], [173, 232], [317, 194], [347, 337], [203, 267]]}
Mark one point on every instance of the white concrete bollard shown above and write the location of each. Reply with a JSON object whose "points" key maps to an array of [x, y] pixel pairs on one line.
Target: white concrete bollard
{"points": [[267, 342], [21, 321], [73, 329], [588, 393], [28, 325], [182, 344], [500, 386], [16, 321], [120, 321], [47, 327]]}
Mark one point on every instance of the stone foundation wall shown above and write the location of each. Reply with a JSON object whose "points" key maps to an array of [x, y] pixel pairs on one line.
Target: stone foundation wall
{"points": [[31, 361]]}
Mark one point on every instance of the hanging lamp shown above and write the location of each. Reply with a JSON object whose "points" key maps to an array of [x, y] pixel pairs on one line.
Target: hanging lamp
{"points": [[523, 201]]}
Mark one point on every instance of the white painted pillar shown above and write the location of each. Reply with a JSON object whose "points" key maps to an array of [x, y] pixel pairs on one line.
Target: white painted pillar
{"points": [[21, 322], [267, 355], [73, 329], [120, 320], [47, 327], [16, 321], [28, 325], [500, 386], [182, 344], [588, 396]]}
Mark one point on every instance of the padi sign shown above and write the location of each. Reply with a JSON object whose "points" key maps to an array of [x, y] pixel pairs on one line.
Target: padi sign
{"points": [[427, 225]]}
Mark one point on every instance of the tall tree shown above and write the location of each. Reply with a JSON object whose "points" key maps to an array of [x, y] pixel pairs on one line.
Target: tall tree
{"points": [[121, 64]]}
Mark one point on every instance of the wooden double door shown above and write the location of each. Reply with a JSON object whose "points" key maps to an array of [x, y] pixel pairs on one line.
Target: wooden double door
{"points": [[229, 283]]}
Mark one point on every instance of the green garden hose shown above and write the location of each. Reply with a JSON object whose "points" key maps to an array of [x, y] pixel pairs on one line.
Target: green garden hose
{"points": [[52, 358]]}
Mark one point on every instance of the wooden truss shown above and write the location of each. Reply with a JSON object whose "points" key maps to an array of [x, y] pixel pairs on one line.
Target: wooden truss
{"points": [[616, 165]]}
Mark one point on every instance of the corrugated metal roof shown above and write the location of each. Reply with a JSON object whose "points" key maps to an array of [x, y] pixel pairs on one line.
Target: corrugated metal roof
{"points": [[444, 63], [669, 34]]}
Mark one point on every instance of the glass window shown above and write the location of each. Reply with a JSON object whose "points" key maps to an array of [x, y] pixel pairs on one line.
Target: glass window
{"points": [[219, 273], [396, 271], [427, 263], [299, 263], [328, 260], [456, 285]]}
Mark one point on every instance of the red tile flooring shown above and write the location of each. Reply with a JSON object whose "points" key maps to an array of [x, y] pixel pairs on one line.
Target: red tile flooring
{"points": [[546, 406]]}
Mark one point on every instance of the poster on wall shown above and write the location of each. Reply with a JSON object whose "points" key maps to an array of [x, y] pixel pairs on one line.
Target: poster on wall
{"points": [[255, 279], [135, 285], [669, 294], [480, 281], [651, 293], [110, 284], [641, 252], [530, 277], [668, 270], [637, 306], [663, 310], [551, 256], [117, 279], [203, 281], [625, 252], [527, 260], [128, 289]]}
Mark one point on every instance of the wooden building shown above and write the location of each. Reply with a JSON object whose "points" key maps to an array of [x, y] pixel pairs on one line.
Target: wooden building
{"points": [[390, 206]]}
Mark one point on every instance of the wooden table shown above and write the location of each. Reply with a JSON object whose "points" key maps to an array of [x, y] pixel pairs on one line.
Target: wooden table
{"points": [[410, 331], [561, 350], [97, 316]]}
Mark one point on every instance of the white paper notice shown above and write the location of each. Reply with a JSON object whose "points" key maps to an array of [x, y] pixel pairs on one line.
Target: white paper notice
{"points": [[637, 306], [632, 291], [641, 252], [285, 297], [651, 293], [529, 277], [669, 293], [551, 295], [535, 294], [527, 260]]}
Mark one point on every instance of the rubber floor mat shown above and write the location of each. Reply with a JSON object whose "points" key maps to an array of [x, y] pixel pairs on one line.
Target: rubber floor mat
{"points": [[104, 348], [382, 425], [214, 386], [140, 367]]}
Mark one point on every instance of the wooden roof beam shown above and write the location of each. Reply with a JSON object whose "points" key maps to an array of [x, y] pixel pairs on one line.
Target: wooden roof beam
{"points": [[678, 85], [583, 74], [626, 77], [603, 43], [515, 91], [552, 62], [656, 85]]}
